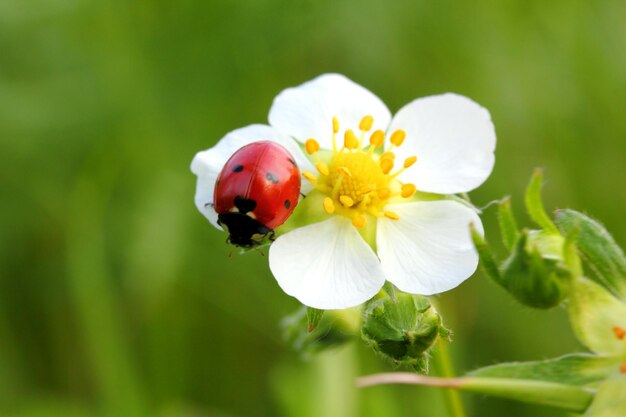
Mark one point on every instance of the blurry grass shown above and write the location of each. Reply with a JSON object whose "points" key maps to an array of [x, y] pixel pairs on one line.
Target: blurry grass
{"points": [[118, 298]]}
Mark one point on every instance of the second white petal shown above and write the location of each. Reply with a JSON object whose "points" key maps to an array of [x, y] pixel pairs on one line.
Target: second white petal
{"points": [[326, 265], [429, 249]]}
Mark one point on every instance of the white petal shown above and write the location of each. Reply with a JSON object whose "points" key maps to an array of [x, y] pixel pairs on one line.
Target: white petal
{"points": [[454, 140], [326, 265], [208, 164], [429, 249], [306, 111]]}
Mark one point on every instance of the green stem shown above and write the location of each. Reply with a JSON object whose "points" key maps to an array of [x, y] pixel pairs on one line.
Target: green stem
{"points": [[444, 366]]}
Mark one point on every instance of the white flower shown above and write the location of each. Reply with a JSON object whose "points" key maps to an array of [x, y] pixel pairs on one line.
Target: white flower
{"points": [[375, 227]]}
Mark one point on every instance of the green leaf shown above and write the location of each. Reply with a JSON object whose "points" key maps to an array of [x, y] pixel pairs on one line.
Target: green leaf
{"points": [[573, 369], [594, 313], [508, 225], [598, 249], [534, 204], [313, 316], [610, 400]]}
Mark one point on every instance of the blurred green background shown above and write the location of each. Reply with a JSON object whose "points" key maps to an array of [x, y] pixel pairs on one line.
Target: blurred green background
{"points": [[117, 298]]}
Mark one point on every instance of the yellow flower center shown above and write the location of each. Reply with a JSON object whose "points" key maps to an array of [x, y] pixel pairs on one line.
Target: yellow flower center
{"points": [[358, 182]]}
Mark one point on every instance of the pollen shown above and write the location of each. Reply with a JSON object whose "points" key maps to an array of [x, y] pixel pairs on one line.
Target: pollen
{"points": [[366, 123], [391, 215], [358, 183], [322, 168], [397, 137], [378, 138], [350, 140], [407, 190], [309, 176], [359, 221], [410, 161], [311, 146], [329, 206], [346, 201], [619, 332]]}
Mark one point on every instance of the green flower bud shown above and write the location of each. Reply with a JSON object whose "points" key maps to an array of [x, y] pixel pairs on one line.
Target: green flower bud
{"points": [[604, 259], [403, 328], [534, 273]]}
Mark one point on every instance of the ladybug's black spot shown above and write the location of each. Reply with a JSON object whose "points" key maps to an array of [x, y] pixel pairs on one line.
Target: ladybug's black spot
{"points": [[238, 168], [287, 204], [292, 162], [271, 177], [244, 205]]}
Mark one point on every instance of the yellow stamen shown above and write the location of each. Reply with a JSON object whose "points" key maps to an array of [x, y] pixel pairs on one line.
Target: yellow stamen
{"points": [[386, 165], [311, 146], [377, 138], [322, 168], [391, 215], [388, 154], [335, 125], [359, 221], [350, 141], [366, 123], [309, 176], [329, 206], [384, 193], [345, 171], [346, 201], [407, 190], [397, 137], [410, 161]]}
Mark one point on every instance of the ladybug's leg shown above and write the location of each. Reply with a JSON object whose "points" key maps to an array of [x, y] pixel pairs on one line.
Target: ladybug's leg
{"points": [[271, 236], [302, 195], [209, 205]]}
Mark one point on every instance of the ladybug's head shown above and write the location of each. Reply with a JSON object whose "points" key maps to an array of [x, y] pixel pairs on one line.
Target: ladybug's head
{"points": [[243, 230]]}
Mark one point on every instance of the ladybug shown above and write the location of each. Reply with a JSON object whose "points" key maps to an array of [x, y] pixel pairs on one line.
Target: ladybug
{"points": [[255, 192]]}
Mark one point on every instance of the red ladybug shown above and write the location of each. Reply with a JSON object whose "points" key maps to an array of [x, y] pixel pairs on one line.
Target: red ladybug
{"points": [[256, 192]]}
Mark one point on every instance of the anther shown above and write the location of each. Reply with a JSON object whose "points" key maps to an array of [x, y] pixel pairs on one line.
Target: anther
{"points": [[345, 171], [359, 221], [350, 141], [384, 193], [407, 190], [388, 154], [622, 368], [366, 123], [335, 125], [329, 206], [619, 332], [377, 138], [397, 137], [386, 165], [410, 161], [322, 168], [309, 176], [311, 146], [346, 201], [391, 215]]}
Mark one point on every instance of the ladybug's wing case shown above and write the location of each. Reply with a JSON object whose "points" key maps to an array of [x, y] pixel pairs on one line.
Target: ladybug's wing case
{"points": [[275, 186], [236, 177]]}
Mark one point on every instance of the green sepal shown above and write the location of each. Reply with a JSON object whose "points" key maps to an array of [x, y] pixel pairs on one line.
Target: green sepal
{"points": [[572, 369], [534, 280], [313, 316], [594, 313], [534, 204], [402, 329], [487, 260], [605, 259], [610, 400], [508, 224]]}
